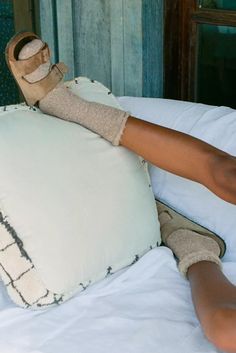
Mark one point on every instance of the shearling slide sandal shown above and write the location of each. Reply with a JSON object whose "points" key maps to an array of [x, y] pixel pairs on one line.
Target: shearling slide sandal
{"points": [[32, 91], [189, 241]]}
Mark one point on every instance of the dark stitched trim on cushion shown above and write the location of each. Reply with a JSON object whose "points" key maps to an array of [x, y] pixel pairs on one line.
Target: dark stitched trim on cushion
{"points": [[18, 272]]}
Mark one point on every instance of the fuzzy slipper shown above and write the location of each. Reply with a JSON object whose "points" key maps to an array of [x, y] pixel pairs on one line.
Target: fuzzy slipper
{"points": [[32, 92], [189, 241]]}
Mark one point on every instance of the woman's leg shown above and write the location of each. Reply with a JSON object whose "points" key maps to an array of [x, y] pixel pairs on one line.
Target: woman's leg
{"points": [[214, 298], [198, 251], [183, 155], [176, 152]]}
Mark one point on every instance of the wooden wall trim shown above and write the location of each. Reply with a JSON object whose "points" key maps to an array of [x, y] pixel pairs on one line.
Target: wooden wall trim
{"points": [[179, 48], [172, 32], [23, 15], [215, 17], [187, 51]]}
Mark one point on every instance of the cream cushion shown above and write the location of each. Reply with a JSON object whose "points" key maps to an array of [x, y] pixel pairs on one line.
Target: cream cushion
{"points": [[74, 209]]}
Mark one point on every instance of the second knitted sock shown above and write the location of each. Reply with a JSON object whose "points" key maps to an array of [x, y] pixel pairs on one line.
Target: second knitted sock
{"points": [[190, 242]]}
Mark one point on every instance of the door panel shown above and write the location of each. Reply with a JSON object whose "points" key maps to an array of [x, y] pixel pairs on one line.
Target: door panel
{"points": [[200, 57], [218, 4], [216, 69]]}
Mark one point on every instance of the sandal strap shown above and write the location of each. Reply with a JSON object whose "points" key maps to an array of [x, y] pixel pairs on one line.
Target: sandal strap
{"points": [[27, 66], [172, 221], [48, 83]]}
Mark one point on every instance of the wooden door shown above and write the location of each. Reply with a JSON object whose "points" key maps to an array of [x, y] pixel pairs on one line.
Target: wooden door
{"points": [[26, 15], [200, 51]]}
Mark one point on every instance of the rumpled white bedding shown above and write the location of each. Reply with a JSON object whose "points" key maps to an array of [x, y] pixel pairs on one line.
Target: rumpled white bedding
{"points": [[145, 308]]}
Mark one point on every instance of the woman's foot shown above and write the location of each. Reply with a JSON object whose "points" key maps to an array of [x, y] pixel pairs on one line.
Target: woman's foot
{"points": [[40, 82], [190, 242], [29, 50], [28, 59]]}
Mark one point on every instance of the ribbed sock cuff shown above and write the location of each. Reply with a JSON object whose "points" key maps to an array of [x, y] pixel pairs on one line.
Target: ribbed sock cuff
{"points": [[198, 256]]}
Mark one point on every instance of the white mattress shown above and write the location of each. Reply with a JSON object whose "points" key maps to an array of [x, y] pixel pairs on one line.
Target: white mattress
{"points": [[145, 308]]}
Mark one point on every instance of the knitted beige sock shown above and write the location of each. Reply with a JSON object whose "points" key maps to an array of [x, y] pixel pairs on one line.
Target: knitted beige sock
{"points": [[106, 121], [184, 238], [190, 247]]}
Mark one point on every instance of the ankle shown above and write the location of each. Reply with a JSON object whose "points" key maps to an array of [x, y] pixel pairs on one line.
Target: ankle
{"points": [[223, 171]]}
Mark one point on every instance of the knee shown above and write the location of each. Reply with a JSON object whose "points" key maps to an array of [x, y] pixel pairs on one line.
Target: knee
{"points": [[224, 167], [223, 175], [222, 329]]}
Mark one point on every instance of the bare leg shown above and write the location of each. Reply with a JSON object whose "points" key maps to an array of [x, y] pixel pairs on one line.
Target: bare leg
{"points": [[213, 295], [214, 298], [183, 155]]}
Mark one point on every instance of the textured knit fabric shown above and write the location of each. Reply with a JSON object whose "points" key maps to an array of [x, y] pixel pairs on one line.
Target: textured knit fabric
{"points": [[106, 121], [190, 242], [190, 247]]}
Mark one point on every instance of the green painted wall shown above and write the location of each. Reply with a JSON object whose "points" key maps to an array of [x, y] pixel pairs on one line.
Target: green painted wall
{"points": [[117, 42], [8, 91]]}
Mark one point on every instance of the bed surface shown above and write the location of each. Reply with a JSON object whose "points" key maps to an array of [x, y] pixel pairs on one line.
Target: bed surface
{"points": [[145, 308]]}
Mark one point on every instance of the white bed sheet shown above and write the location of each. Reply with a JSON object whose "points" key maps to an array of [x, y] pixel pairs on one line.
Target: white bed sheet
{"points": [[145, 308]]}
